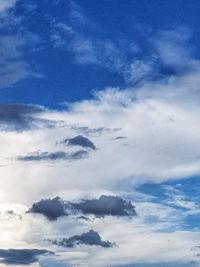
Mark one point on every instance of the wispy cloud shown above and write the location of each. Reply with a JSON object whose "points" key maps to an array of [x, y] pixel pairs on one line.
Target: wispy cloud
{"points": [[53, 156], [5, 5], [15, 45], [168, 54]]}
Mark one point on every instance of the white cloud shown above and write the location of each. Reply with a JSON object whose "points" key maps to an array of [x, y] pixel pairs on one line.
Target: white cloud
{"points": [[160, 121], [162, 132]]}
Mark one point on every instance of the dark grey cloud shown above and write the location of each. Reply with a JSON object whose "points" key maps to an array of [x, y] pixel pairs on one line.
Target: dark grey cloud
{"points": [[52, 209], [90, 238], [105, 205], [79, 140], [19, 117], [119, 138], [21, 256], [53, 156]]}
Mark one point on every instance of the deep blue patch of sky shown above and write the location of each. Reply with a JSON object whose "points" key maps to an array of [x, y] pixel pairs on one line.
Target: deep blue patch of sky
{"points": [[62, 79]]}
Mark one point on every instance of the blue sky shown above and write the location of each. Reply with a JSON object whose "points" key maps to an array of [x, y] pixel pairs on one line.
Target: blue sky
{"points": [[125, 29], [99, 133]]}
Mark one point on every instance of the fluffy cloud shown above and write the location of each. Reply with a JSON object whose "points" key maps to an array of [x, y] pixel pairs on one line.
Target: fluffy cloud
{"points": [[51, 208], [160, 120], [160, 123], [105, 205]]}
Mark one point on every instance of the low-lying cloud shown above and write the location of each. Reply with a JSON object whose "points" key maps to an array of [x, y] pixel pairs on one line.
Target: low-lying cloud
{"points": [[21, 256], [105, 205], [53, 156], [52, 209], [21, 117], [79, 140], [90, 238]]}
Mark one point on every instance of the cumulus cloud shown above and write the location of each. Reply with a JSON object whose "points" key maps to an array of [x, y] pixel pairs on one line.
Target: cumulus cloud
{"points": [[52, 209], [21, 256], [102, 206], [79, 140], [105, 205], [91, 238], [160, 120]]}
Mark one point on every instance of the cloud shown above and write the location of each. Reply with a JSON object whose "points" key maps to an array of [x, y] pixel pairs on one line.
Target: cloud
{"points": [[5, 5], [53, 156], [173, 48], [165, 53], [77, 15], [13, 66], [21, 256], [75, 37], [90, 238], [161, 264], [93, 131], [160, 120], [16, 44], [105, 205], [19, 117], [52, 209], [119, 138], [79, 140]]}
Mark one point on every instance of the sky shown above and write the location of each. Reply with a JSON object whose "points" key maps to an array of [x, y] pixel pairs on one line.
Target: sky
{"points": [[99, 133]]}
